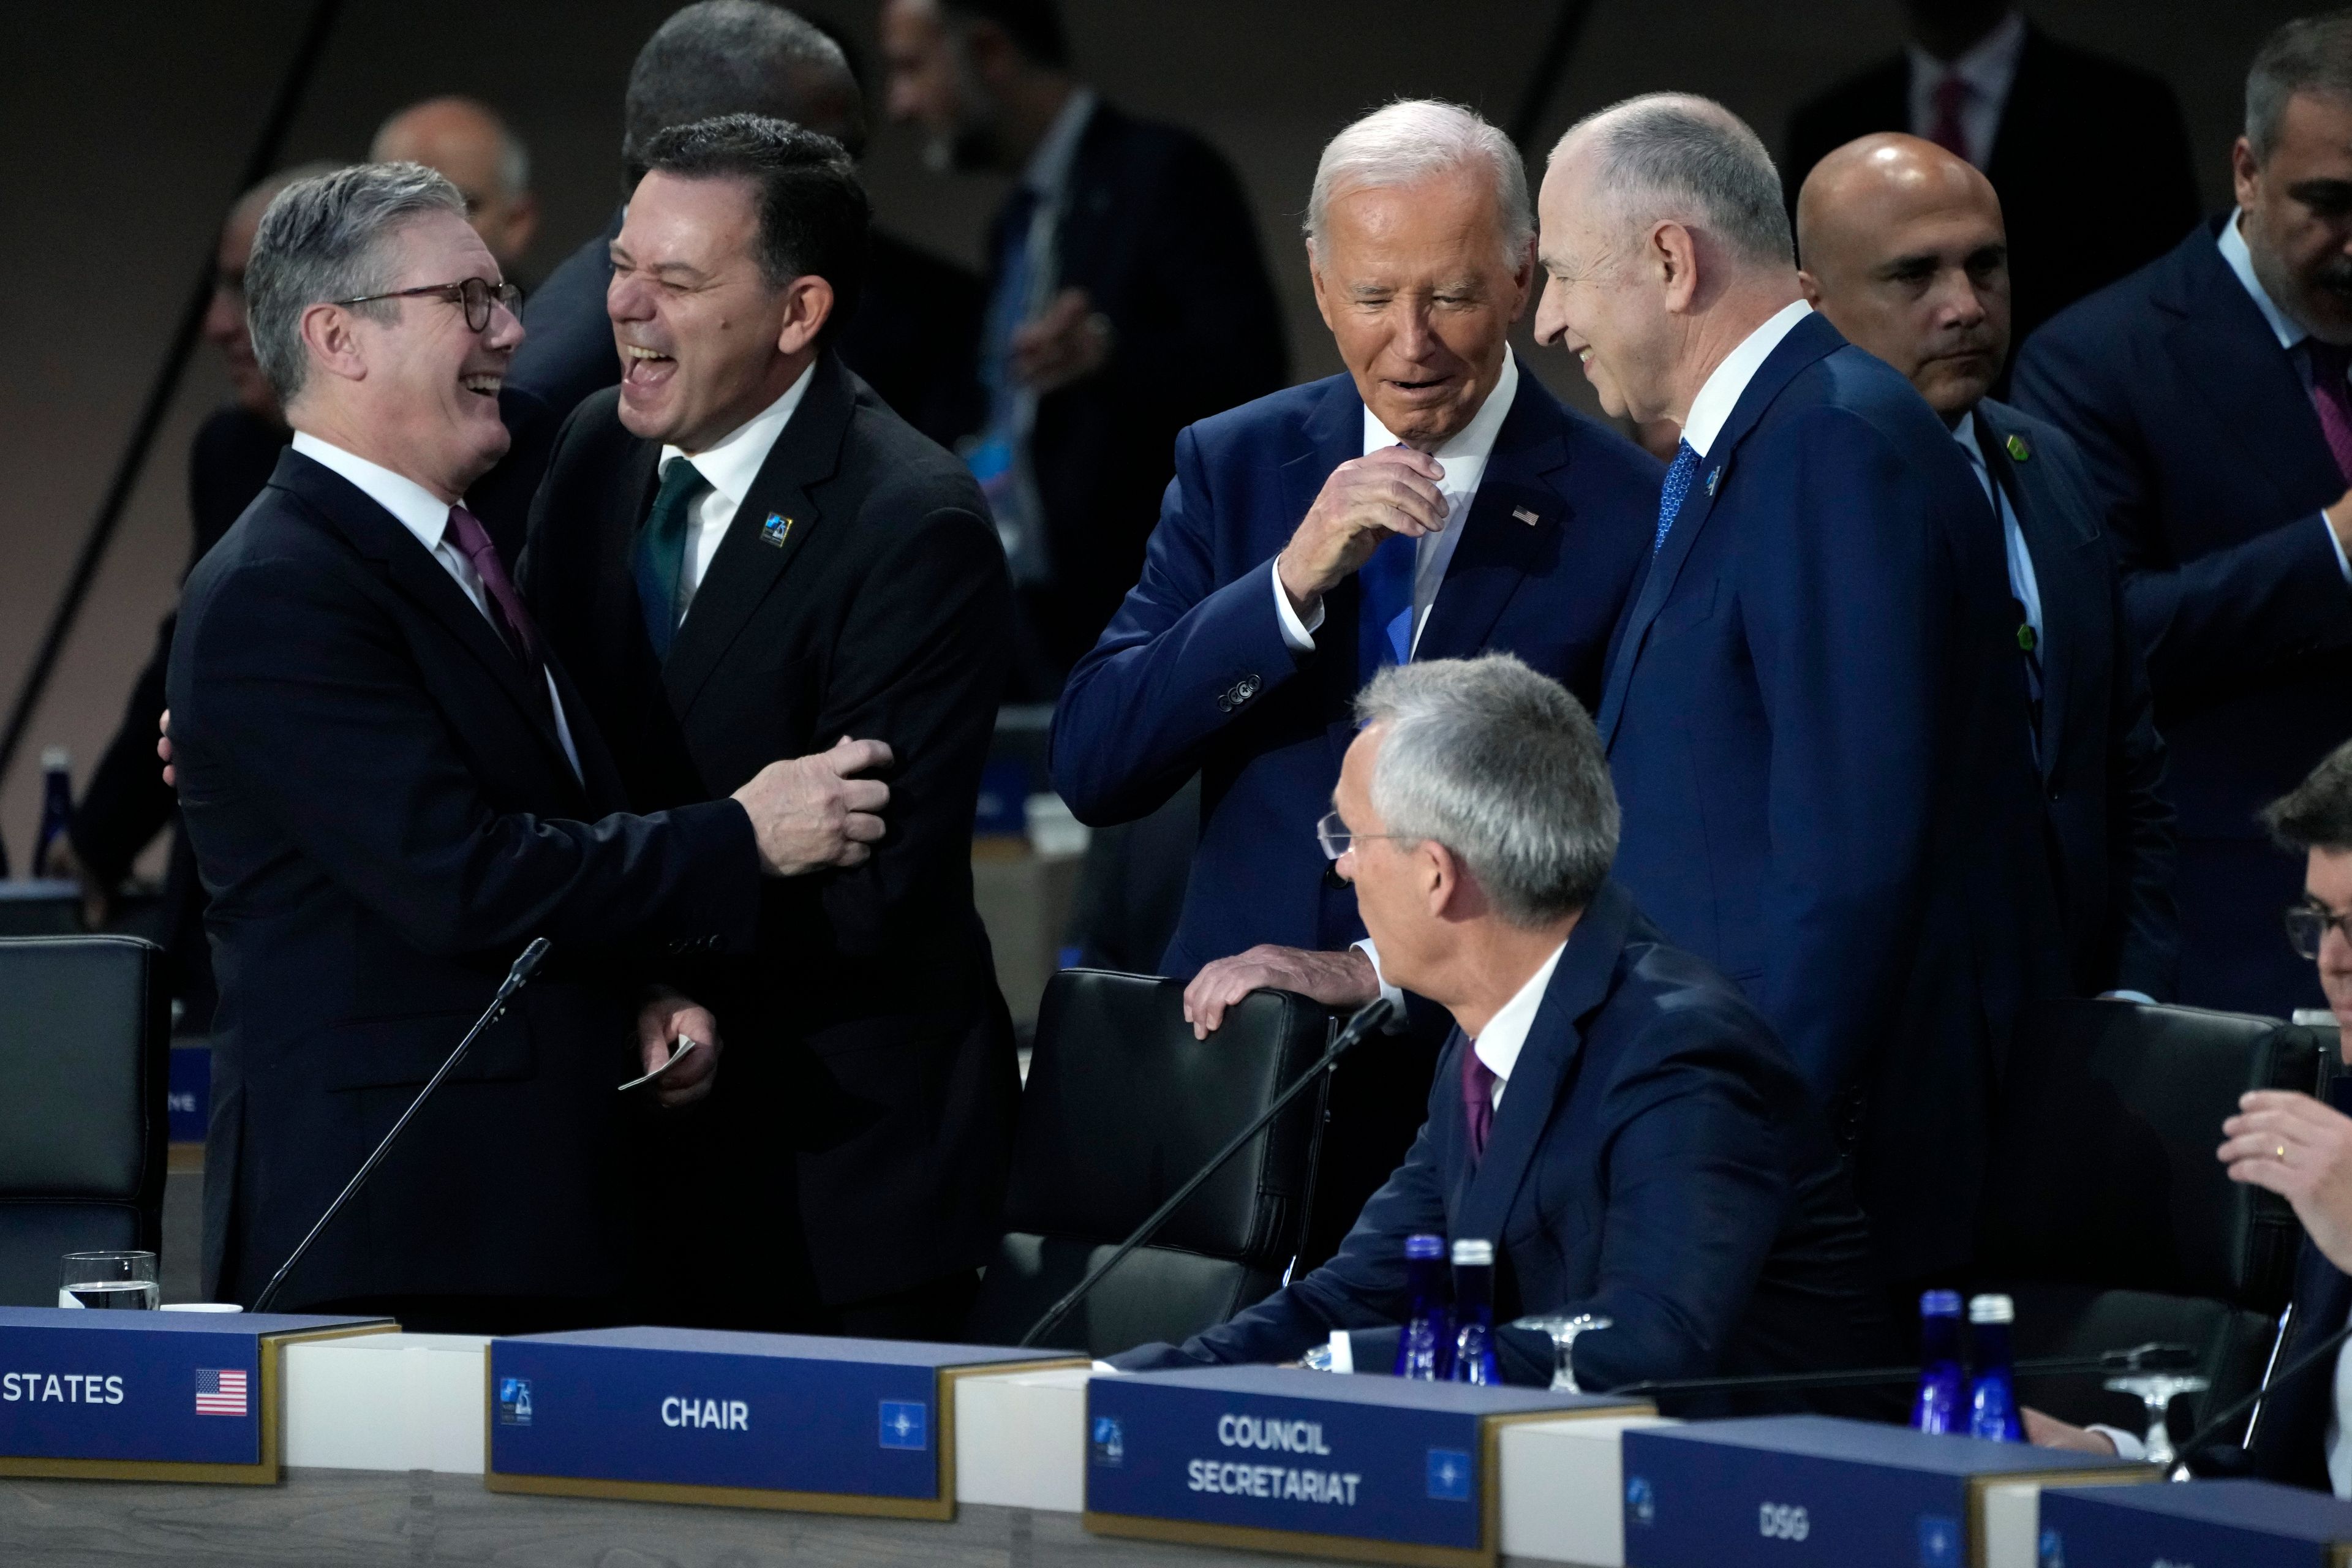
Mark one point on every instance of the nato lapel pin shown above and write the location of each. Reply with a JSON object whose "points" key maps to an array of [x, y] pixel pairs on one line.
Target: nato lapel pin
{"points": [[2018, 449], [1524, 515], [776, 529], [1714, 477]]}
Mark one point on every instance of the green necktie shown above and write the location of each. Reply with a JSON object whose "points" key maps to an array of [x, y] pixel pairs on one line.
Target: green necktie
{"points": [[660, 559]]}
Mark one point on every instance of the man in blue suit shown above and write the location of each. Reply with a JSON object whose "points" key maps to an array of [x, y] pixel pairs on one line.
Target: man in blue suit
{"points": [[1432, 502], [1610, 1112], [1905, 253], [1815, 712], [2208, 392]]}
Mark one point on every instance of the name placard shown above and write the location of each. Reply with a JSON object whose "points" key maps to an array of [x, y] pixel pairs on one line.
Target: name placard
{"points": [[1814, 1490], [1272, 1458], [149, 1395], [827, 1425], [2204, 1524]]}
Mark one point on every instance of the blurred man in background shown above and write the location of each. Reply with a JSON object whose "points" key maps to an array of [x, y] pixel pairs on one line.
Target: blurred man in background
{"points": [[2209, 394], [468, 144], [1127, 297], [1987, 86], [1904, 251]]}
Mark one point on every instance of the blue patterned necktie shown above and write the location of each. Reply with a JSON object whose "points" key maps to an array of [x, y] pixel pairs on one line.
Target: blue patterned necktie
{"points": [[1678, 483], [659, 561], [1384, 622]]}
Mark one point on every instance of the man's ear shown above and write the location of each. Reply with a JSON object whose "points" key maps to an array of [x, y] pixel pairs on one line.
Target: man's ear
{"points": [[1672, 251], [1812, 288], [1453, 893], [330, 338], [808, 305]]}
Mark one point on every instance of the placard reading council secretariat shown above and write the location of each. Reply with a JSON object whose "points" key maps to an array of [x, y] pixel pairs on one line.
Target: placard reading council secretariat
{"points": [[759, 1420], [1275, 1458]]}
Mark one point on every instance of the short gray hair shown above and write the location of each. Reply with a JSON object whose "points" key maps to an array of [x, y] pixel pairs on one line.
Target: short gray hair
{"points": [[1677, 156], [325, 239], [732, 57], [2310, 54], [1504, 768], [1411, 140]]}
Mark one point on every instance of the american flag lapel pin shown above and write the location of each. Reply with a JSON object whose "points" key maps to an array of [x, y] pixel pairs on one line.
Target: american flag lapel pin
{"points": [[776, 529], [1524, 515]]}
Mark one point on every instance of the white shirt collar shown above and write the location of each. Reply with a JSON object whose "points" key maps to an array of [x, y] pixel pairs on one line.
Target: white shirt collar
{"points": [[1049, 165], [730, 463], [417, 509], [2232, 246], [1988, 66], [1474, 440], [1720, 396], [1498, 1044]]}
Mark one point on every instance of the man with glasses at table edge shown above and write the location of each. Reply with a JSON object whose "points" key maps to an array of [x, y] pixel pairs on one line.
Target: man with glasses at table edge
{"points": [[2299, 1147], [392, 787]]}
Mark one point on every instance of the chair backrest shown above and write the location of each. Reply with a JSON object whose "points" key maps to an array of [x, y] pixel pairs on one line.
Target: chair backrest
{"points": [[1122, 1106], [85, 1060], [2102, 1171]]}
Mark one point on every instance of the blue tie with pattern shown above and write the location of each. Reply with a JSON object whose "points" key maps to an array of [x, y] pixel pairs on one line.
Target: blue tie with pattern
{"points": [[1384, 624], [1678, 483]]}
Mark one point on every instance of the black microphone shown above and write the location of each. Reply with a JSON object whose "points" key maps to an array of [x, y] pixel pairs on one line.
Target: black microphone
{"points": [[1374, 1014], [2278, 1378], [524, 967]]}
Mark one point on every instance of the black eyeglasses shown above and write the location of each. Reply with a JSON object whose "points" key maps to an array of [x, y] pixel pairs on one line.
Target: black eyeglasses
{"points": [[476, 294], [2307, 923]]}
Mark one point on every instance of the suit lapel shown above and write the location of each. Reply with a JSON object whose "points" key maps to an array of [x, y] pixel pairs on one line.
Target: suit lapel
{"points": [[754, 555], [1499, 548], [1580, 984], [1812, 339]]}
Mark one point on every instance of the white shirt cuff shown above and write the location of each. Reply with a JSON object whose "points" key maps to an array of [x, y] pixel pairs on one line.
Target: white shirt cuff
{"points": [[1394, 995], [2128, 1444], [1343, 1351], [2342, 564], [2142, 997], [1299, 635]]}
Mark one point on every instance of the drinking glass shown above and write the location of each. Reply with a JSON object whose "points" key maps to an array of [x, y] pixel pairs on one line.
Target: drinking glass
{"points": [[2156, 1390], [118, 1280], [1563, 1330]]}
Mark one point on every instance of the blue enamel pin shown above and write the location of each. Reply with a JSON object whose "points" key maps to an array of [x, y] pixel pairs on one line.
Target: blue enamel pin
{"points": [[776, 529]]}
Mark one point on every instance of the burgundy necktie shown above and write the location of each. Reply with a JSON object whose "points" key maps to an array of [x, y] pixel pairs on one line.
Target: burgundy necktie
{"points": [[1947, 133], [1478, 1099], [2329, 362], [513, 620]]}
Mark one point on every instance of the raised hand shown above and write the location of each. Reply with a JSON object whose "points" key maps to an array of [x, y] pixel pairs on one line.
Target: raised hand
{"points": [[810, 813]]}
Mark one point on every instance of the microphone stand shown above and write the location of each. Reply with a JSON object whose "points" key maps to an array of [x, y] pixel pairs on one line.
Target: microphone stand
{"points": [[2292, 1370], [1373, 1015], [524, 967]]}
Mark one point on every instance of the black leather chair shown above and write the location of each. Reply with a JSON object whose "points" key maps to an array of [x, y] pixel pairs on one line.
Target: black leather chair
{"points": [[1122, 1106], [85, 1066], [2106, 1214]]}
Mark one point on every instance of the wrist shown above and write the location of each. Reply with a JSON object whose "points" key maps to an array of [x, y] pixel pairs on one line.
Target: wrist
{"points": [[1304, 597]]}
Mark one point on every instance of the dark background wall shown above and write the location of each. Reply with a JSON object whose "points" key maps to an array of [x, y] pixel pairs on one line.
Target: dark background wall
{"points": [[124, 127]]}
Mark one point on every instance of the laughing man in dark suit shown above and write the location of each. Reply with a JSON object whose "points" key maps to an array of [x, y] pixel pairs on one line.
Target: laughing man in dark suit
{"points": [[739, 548]]}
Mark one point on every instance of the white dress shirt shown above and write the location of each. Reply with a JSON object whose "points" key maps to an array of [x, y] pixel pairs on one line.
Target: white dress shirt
{"points": [[426, 516], [1987, 69], [2286, 329], [1719, 394], [1498, 1044], [728, 465], [1464, 458], [2022, 580]]}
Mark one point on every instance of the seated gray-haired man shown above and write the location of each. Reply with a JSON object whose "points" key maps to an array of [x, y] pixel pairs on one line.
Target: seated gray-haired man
{"points": [[1608, 1112]]}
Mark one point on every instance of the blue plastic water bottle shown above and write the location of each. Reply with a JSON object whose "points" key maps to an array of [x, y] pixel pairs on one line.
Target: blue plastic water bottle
{"points": [[57, 806], [1992, 1397], [1936, 1407], [1474, 1312], [1426, 1349]]}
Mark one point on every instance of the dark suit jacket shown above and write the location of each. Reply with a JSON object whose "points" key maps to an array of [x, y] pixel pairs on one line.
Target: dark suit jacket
{"points": [[914, 336], [2069, 110], [871, 1082], [2205, 455], [1157, 230], [2291, 1440], [1194, 677], [383, 817], [1655, 1160], [1815, 718], [2102, 762]]}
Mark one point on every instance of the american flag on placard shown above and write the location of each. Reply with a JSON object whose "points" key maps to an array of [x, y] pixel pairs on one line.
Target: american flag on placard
{"points": [[220, 1393]]}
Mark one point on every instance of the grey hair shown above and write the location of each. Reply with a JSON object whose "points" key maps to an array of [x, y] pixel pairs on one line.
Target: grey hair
{"points": [[1503, 767], [325, 239], [732, 57], [2310, 54], [1675, 155], [1411, 140]]}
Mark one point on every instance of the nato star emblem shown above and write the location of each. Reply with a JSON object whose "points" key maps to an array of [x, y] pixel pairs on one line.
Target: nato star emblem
{"points": [[776, 529]]}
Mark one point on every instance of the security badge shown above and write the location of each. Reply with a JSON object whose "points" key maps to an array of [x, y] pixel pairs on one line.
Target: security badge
{"points": [[776, 529]]}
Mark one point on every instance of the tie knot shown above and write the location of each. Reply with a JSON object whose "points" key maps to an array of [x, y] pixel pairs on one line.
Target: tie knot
{"points": [[1952, 93], [2328, 360], [472, 538], [679, 480]]}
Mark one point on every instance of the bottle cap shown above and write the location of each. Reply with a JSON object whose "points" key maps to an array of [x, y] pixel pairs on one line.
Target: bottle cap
{"points": [[1474, 1255], [55, 757], [1424, 1247], [1940, 1304], [1991, 1309]]}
